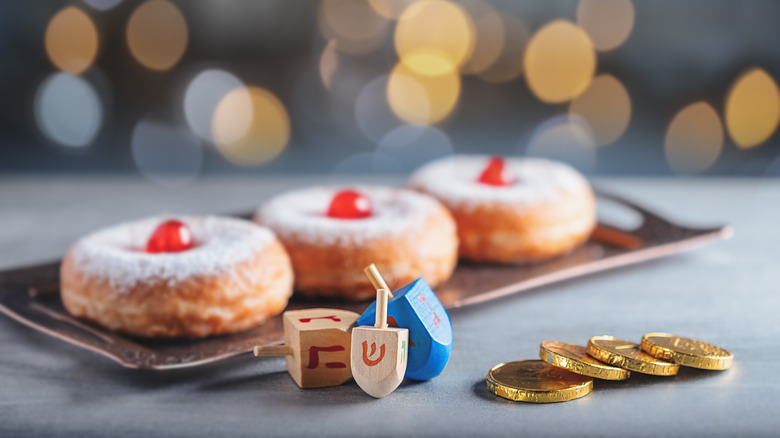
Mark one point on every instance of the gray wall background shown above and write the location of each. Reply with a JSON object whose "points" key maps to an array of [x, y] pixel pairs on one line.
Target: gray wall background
{"points": [[678, 52]]}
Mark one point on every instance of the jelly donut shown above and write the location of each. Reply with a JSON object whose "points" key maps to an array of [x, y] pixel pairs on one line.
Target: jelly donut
{"points": [[332, 233], [514, 210], [185, 277]]}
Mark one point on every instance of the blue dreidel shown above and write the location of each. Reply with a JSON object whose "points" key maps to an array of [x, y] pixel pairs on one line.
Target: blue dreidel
{"points": [[415, 307]]}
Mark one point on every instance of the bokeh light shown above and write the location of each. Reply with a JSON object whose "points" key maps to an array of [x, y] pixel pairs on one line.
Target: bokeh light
{"points": [[390, 9], [250, 126], [329, 63], [166, 154], [434, 37], [102, 5], [488, 36], [415, 145], [608, 22], [752, 108], [422, 99], [321, 113], [157, 34], [71, 40], [68, 110], [373, 114], [606, 107], [694, 139], [559, 62], [353, 24], [509, 64], [203, 95], [566, 138]]}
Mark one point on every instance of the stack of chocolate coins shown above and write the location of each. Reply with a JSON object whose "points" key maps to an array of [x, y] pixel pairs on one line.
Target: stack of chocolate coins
{"points": [[566, 371]]}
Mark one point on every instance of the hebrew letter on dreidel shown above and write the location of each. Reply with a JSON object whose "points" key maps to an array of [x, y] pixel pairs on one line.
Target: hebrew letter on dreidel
{"points": [[317, 346]]}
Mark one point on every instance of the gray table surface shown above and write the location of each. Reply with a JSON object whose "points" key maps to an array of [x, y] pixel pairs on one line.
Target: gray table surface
{"points": [[726, 293]]}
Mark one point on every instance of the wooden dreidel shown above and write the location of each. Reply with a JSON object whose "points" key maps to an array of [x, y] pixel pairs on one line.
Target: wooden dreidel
{"points": [[416, 307], [317, 346], [379, 353]]}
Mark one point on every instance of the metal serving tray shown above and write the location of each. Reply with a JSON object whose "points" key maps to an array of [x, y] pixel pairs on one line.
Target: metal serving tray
{"points": [[31, 295]]}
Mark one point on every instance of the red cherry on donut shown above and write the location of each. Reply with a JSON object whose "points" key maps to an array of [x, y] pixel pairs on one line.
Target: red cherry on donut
{"points": [[495, 173], [170, 236], [349, 204]]}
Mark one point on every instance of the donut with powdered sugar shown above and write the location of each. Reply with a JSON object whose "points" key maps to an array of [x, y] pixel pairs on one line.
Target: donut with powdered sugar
{"points": [[332, 233], [513, 210], [233, 276]]}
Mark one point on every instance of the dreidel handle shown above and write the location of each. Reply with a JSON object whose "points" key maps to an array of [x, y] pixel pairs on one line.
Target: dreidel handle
{"points": [[381, 308], [376, 278], [272, 350]]}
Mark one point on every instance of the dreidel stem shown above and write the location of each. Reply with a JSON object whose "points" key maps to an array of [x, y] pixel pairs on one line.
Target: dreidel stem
{"points": [[381, 308], [272, 350], [376, 278]]}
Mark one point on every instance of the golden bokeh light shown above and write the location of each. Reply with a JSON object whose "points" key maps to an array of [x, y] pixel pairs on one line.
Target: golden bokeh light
{"points": [[488, 33], [559, 62], [752, 108], [390, 9], [608, 22], [329, 62], [434, 29], [606, 107], [422, 99], [157, 34], [509, 64], [354, 25], [694, 139], [250, 126], [71, 40]]}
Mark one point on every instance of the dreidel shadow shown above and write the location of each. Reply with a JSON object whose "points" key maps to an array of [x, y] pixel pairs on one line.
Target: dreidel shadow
{"points": [[317, 346]]}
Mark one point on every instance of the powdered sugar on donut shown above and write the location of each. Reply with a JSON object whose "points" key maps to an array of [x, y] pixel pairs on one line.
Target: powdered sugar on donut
{"points": [[117, 254], [454, 181], [301, 214]]}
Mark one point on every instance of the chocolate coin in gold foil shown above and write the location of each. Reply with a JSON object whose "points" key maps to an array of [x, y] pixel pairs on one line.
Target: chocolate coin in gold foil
{"points": [[574, 358], [686, 352], [535, 381], [627, 355]]}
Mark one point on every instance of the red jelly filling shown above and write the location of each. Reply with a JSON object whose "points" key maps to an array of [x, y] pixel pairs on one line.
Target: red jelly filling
{"points": [[170, 236], [349, 204], [495, 174]]}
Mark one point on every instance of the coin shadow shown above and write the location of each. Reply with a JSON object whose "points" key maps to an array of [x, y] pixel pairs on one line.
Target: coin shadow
{"points": [[479, 388], [638, 379]]}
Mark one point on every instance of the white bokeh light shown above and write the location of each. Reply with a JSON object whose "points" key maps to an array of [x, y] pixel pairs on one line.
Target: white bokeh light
{"points": [[415, 145], [166, 154], [367, 163], [566, 138], [373, 114], [202, 97], [68, 110], [325, 113], [102, 5]]}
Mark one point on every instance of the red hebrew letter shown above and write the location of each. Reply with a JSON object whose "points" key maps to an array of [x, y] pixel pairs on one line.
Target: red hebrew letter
{"points": [[331, 317], [366, 359], [314, 358], [436, 319]]}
